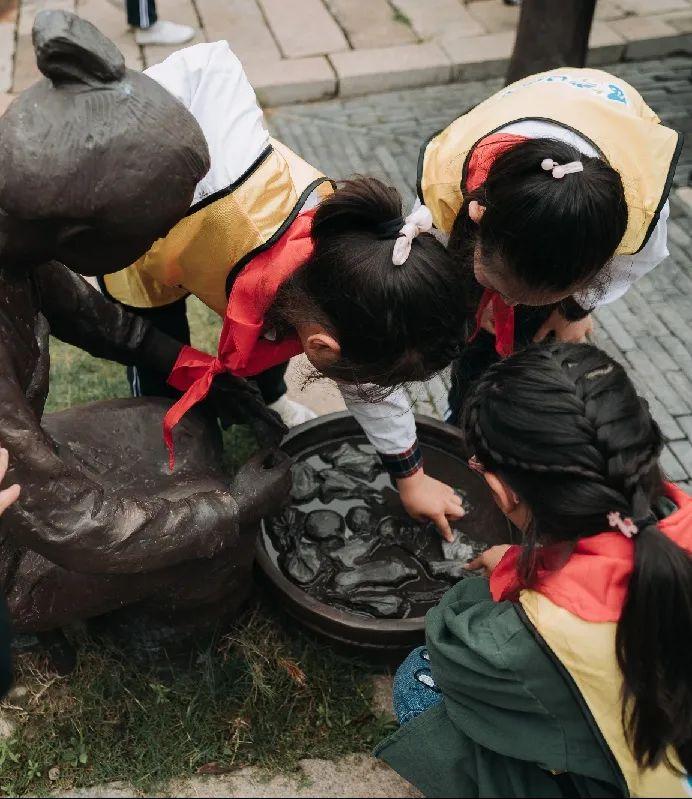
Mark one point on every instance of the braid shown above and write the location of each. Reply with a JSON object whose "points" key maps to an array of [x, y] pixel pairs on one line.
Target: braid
{"points": [[592, 380], [568, 414], [499, 458], [563, 426]]}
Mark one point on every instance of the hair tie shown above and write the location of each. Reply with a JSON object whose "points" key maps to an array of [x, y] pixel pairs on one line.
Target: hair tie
{"points": [[420, 221], [626, 526], [389, 229], [560, 170]]}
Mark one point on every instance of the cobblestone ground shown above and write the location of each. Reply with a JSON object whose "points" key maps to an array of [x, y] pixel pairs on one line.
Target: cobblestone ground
{"points": [[649, 330]]}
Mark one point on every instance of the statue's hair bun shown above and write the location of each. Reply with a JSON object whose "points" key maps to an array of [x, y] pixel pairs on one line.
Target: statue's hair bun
{"points": [[69, 49]]}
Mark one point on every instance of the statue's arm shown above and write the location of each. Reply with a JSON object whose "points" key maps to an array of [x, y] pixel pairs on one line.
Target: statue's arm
{"points": [[80, 315], [75, 522]]}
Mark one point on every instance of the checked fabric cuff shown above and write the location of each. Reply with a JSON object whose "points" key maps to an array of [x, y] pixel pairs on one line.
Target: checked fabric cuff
{"points": [[403, 464]]}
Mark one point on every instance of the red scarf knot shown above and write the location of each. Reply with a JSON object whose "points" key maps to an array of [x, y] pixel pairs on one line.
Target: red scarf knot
{"points": [[242, 350]]}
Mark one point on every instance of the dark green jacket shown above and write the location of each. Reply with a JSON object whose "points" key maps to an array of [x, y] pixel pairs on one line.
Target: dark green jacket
{"points": [[511, 723]]}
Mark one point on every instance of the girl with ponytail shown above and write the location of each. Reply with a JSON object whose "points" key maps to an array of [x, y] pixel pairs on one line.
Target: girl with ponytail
{"points": [[291, 263], [569, 671]]}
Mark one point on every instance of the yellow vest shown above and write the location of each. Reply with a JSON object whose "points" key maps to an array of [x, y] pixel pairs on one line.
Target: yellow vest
{"points": [[203, 253], [587, 651], [601, 108]]}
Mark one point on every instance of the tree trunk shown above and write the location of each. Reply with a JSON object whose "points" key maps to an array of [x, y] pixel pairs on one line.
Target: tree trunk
{"points": [[551, 33]]}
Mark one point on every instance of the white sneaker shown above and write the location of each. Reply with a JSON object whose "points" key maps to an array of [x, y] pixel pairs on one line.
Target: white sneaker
{"points": [[164, 32], [292, 413]]}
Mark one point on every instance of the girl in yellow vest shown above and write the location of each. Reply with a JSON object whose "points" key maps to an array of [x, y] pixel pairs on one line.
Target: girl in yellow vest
{"points": [[553, 195], [569, 671], [290, 266]]}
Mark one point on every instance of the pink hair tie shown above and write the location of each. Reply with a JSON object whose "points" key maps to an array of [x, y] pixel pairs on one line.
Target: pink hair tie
{"points": [[626, 526], [560, 170]]}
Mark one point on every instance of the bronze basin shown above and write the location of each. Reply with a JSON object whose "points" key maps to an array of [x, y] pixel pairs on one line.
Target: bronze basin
{"points": [[384, 639]]}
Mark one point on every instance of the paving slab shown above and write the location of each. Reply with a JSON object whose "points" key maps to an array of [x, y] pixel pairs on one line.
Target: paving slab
{"points": [[242, 24], [645, 7], [365, 71], [181, 11], [7, 30], [5, 100], [371, 23], [608, 9], [681, 22], [475, 36], [303, 27], [432, 18], [107, 17], [496, 16], [292, 80], [478, 57], [606, 45], [650, 37]]}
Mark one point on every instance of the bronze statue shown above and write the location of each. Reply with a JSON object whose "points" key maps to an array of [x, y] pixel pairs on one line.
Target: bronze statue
{"points": [[98, 161]]}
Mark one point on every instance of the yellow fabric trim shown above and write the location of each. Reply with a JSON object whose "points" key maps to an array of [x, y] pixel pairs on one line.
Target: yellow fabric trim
{"points": [[587, 651], [199, 252], [134, 287], [643, 163]]}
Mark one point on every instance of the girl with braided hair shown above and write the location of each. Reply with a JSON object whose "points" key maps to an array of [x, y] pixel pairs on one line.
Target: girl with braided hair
{"points": [[569, 671]]}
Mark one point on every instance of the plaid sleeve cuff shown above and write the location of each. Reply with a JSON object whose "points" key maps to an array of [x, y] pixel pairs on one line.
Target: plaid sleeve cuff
{"points": [[403, 464]]}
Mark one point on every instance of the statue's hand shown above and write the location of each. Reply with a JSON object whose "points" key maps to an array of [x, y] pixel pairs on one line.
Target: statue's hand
{"points": [[262, 485], [237, 401]]}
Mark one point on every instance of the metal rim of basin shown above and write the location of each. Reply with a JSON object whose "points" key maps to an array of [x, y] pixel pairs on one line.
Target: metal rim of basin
{"points": [[348, 628]]}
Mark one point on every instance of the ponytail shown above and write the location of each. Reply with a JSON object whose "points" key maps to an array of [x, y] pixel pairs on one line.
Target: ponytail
{"points": [[563, 425], [654, 650], [394, 323]]}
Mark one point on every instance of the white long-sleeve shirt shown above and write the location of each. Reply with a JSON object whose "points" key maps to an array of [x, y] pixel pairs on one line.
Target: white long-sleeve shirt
{"points": [[210, 82]]}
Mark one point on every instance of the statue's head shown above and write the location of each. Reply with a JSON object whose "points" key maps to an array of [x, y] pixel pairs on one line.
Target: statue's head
{"points": [[98, 161]]}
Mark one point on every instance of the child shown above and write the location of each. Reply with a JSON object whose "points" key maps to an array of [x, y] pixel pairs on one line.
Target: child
{"points": [[292, 267], [568, 673], [553, 193]]}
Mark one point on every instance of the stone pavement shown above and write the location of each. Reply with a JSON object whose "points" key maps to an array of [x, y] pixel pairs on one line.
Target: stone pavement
{"points": [[299, 50], [649, 330]]}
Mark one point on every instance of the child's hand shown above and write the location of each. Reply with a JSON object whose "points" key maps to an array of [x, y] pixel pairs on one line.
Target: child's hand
{"points": [[425, 499], [8, 496], [575, 332], [488, 560]]}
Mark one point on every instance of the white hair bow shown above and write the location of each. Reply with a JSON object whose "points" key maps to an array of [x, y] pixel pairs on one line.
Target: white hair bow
{"points": [[420, 221], [560, 170]]}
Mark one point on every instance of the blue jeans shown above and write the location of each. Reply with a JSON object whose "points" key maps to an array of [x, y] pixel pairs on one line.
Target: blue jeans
{"points": [[414, 689]]}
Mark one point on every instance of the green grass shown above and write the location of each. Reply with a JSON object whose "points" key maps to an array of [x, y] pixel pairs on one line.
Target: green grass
{"points": [[263, 694], [258, 696]]}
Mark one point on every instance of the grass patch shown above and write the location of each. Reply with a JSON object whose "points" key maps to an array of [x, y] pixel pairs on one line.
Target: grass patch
{"points": [[257, 696], [261, 695]]}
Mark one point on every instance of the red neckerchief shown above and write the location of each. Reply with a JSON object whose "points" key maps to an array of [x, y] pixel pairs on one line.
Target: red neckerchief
{"points": [[242, 350], [592, 583], [482, 159]]}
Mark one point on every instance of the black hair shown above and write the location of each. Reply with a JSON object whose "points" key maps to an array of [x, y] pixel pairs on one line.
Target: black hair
{"points": [[565, 428], [394, 324], [552, 235]]}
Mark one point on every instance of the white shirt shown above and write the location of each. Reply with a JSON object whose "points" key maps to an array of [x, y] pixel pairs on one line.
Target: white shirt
{"points": [[622, 270], [210, 82]]}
